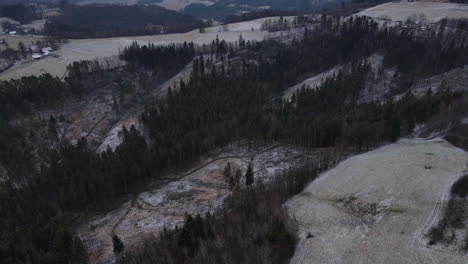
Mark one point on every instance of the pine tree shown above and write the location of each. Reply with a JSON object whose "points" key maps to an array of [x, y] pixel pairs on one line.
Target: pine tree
{"points": [[236, 179], [227, 174], [118, 244], [249, 176]]}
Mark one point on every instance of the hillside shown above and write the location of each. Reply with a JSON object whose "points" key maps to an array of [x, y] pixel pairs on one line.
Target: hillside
{"points": [[109, 21], [303, 139], [379, 206], [426, 11], [223, 8]]}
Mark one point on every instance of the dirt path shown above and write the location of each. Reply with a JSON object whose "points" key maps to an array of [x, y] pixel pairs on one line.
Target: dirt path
{"points": [[378, 206]]}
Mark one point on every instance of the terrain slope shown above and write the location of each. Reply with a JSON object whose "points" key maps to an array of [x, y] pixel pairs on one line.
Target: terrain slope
{"points": [[377, 207], [429, 11], [198, 190]]}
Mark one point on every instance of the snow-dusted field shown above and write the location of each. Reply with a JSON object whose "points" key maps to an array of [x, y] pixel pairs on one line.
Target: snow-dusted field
{"points": [[178, 5], [432, 11], [377, 207], [197, 190], [113, 138], [88, 49], [14, 40]]}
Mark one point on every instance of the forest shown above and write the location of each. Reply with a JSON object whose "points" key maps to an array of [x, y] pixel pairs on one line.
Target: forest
{"points": [[224, 100], [22, 95], [19, 12], [224, 8], [169, 58], [76, 22]]}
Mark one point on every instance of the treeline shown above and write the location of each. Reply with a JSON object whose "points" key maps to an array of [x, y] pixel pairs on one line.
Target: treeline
{"points": [[8, 56], [78, 69], [170, 58], [273, 25], [45, 238], [19, 12], [16, 153], [23, 95], [224, 100], [253, 228], [425, 57], [259, 14], [96, 21]]}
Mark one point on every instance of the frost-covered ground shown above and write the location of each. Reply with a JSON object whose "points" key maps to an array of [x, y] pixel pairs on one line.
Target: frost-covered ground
{"points": [[456, 79], [88, 49], [196, 191], [431, 11], [378, 206], [113, 137]]}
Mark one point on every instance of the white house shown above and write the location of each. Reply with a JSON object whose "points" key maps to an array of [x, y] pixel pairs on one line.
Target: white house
{"points": [[36, 56], [46, 51]]}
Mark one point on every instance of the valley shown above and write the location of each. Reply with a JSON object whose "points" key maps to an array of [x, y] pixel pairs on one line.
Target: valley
{"points": [[315, 138]]}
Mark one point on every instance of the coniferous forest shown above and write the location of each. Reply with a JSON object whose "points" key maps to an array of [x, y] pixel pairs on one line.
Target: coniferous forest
{"points": [[234, 93]]}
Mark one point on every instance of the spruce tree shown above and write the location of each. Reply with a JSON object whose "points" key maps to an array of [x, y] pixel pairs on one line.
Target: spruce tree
{"points": [[118, 244], [236, 179], [249, 176], [227, 174]]}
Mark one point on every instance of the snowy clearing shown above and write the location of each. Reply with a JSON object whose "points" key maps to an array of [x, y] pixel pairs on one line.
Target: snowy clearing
{"points": [[432, 11], [377, 207], [197, 190], [113, 137]]}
